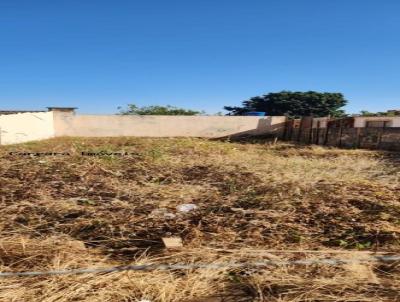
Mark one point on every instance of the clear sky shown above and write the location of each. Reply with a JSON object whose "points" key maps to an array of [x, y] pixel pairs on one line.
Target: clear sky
{"points": [[200, 54]]}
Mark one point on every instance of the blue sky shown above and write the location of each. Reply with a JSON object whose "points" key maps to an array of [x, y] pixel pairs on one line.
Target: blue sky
{"points": [[98, 55]]}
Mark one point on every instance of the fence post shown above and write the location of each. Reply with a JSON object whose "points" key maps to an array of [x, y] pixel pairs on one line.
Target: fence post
{"points": [[317, 134], [287, 131], [358, 139], [380, 134], [311, 134], [326, 133], [339, 139], [299, 133]]}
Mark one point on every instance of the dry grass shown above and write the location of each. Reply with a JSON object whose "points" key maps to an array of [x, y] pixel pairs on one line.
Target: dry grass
{"points": [[77, 211]]}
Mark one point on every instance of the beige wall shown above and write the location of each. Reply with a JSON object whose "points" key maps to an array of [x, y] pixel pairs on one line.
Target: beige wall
{"points": [[360, 122], [24, 127], [68, 124], [323, 122]]}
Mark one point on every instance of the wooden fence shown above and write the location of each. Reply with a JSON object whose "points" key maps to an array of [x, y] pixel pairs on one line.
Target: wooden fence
{"points": [[341, 133]]}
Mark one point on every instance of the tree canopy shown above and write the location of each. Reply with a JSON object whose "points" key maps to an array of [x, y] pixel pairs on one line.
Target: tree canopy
{"points": [[293, 104], [387, 113], [132, 109]]}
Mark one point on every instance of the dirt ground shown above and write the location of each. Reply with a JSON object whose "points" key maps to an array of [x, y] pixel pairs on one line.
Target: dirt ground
{"points": [[253, 200]]}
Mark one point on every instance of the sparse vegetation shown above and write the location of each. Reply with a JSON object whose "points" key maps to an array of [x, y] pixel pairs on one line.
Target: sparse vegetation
{"points": [[253, 200], [132, 109]]}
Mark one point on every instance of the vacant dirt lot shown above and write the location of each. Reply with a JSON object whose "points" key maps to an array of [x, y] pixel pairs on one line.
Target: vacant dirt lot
{"points": [[253, 201]]}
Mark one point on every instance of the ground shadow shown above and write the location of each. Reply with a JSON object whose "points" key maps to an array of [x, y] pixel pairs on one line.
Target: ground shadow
{"points": [[264, 130]]}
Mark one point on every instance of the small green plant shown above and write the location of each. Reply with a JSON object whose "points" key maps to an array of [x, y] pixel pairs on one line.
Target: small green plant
{"points": [[343, 243], [155, 153], [363, 246]]}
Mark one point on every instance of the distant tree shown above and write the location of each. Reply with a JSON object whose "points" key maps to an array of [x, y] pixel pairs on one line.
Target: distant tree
{"points": [[365, 113], [132, 109], [294, 104], [387, 113]]}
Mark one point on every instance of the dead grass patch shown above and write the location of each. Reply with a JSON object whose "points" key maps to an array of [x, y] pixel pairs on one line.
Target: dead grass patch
{"points": [[77, 211]]}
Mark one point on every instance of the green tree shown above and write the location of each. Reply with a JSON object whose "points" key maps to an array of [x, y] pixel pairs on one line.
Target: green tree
{"points": [[294, 104], [365, 113], [132, 109], [387, 113]]}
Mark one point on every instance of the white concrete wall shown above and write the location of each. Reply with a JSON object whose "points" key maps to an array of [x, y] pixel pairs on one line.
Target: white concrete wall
{"points": [[361, 121], [24, 127], [68, 124]]}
